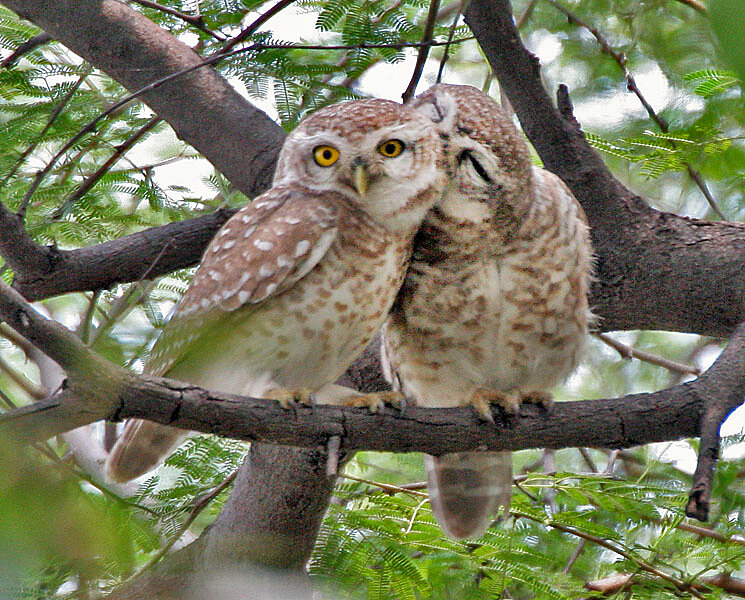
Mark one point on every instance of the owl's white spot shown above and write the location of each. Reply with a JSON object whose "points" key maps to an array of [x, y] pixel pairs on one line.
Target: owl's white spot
{"points": [[279, 232], [205, 302], [264, 245], [249, 231], [216, 275], [224, 231], [245, 277], [302, 247], [266, 203], [291, 220], [283, 261], [228, 245], [228, 294], [243, 296], [216, 248], [270, 288], [248, 218], [265, 271]]}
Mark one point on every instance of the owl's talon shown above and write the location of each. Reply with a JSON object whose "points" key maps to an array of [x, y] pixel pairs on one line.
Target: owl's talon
{"points": [[374, 401], [510, 402], [289, 398], [543, 399]]}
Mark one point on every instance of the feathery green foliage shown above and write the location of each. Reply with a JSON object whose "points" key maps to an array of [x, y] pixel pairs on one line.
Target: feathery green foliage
{"points": [[573, 525]]}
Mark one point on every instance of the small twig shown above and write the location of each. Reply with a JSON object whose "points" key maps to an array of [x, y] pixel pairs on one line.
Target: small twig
{"points": [[451, 34], [621, 60], [103, 169], [84, 330], [611, 462], [615, 583], [588, 459], [32, 146], [628, 352], [332, 460], [412, 488], [249, 31], [197, 21], [200, 504], [695, 5], [575, 555], [421, 58], [24, 48], [678, 583], [21, 380]]}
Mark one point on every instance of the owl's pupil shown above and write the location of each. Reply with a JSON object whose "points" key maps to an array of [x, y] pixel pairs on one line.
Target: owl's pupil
{"points": [[390, 148], [327, 154]]}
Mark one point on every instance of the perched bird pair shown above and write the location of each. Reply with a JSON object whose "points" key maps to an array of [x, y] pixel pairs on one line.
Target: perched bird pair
{"points": [[490, 307]]}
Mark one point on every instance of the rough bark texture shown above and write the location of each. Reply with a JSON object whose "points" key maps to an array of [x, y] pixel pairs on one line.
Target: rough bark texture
{"points": [[291, 514]]}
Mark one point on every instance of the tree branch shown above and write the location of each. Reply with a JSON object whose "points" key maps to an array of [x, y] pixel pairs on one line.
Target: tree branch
{"points": [[136, 52], [107, 391]]}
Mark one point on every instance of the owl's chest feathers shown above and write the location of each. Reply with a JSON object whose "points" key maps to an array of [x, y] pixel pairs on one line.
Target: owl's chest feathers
{"points": [[508, 319]]}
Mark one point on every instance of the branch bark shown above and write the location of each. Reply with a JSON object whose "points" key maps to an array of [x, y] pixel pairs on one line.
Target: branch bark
{"points": [[107, 391]]}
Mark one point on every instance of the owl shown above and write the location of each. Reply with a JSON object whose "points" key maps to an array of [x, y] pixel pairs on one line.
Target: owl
{"points": [[493, 308], [296, 283]]}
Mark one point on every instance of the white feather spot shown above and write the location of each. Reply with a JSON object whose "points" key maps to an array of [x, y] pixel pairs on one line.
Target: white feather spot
{"points": [[224, 231], [302, 247], [270, 288], [215, 275], [283, 261], [245, 277], [292, 220], [264, 245], [216, 248], [265, 271], [204, 303], [243, 296], [228, 245], [248, 218], [249, 231]]}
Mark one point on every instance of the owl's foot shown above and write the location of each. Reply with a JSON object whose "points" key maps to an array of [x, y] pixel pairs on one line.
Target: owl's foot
{"points": [[543, 399], [288, 398], [483, 398], [374, 401]]}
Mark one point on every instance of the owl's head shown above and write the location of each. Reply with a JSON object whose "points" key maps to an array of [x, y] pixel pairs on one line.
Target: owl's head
{"points": [[382, 156], [487, 160]]}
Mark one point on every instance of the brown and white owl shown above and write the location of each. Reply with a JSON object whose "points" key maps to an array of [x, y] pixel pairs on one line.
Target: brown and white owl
{"points": [[494, 304], [295, 285]]}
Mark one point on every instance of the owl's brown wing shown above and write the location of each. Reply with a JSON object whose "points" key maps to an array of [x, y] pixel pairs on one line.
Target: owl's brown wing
{"points": [[262, 251]]}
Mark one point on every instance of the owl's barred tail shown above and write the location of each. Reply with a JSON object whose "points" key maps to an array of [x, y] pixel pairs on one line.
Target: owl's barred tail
{"points": [[467, 488], [142, 447]]}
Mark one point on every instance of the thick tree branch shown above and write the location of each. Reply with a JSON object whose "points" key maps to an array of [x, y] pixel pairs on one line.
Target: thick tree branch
{"points": [[203, 109], [107, 391]]}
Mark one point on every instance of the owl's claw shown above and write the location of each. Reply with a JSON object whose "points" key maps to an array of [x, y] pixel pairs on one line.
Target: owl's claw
{"points": [[288, 398], [374, 401], [483, 398]]}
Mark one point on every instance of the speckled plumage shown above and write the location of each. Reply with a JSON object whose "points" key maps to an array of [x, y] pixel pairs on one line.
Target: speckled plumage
{"points": [[495, 298], [296, 283]]}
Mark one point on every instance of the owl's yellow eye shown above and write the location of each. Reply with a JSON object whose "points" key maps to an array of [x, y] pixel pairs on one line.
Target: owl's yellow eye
{"points": [[391, 148], [325, 156]]}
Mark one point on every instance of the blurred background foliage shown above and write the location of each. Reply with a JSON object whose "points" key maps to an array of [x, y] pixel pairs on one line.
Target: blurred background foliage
{"points": [[656, 86]]}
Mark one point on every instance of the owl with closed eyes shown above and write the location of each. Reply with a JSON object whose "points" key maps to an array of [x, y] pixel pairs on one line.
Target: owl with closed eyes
{"points": [[493, 308], [297, 282]]}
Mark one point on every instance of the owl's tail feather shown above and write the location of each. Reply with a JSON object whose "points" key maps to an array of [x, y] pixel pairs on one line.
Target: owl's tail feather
{"points": [[467, 488], [142, 447]]}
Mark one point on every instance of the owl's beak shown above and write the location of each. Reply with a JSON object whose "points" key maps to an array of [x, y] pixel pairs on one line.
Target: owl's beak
{"points": [[360, 179]]}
